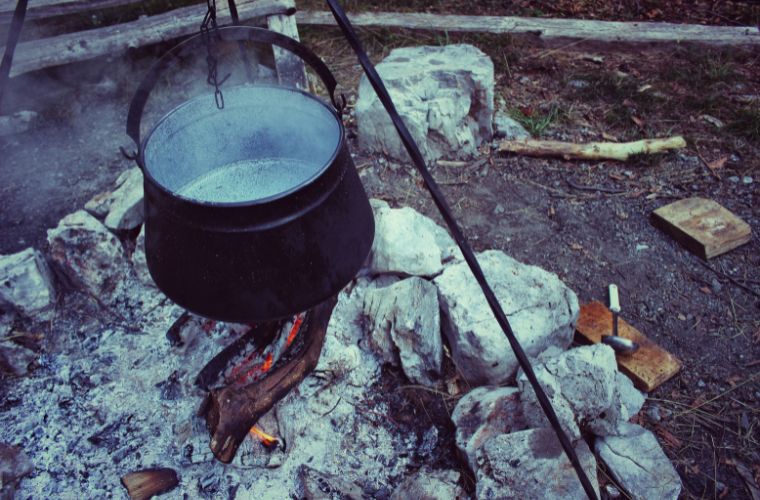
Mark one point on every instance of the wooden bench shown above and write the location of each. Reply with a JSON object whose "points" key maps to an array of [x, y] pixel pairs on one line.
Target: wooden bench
{"points": [[278, 15]]}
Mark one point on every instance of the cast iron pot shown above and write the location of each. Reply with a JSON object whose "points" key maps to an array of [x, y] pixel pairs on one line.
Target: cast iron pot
{"points": [[302, 233]]}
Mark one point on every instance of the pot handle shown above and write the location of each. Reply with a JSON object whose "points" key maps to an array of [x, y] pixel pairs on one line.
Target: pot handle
{"points": [[229, 33]]}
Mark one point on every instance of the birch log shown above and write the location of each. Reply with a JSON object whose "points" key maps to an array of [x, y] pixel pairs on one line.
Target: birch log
{"points": [[620, 151], [550, 29]]}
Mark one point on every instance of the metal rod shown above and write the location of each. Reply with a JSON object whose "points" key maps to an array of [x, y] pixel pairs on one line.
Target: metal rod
{"points": [[10, 46], [464, 246]]}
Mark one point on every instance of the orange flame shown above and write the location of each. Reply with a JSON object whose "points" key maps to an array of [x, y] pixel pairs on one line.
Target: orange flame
{"points": [[294, 329], [266, 439]]}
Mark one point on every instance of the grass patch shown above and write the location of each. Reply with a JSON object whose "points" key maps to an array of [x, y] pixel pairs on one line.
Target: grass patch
{"points": [[537, 122], [698, 69], [746, 123]]}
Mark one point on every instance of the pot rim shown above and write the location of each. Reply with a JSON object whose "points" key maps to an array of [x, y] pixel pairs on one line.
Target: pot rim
{"points": [[259, 201]]}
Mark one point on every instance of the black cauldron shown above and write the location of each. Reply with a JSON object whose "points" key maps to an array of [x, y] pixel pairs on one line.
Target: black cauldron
{"points": [[255, 211]]}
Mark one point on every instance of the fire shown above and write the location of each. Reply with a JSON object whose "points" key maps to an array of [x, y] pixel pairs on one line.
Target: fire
{"points": [[266, 439], [294, 330]]}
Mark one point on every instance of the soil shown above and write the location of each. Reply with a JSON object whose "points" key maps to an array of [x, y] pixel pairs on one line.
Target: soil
{"points": [[589, 222]]}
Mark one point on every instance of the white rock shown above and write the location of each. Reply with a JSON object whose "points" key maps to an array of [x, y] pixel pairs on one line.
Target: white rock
{"points": [[430, 484], [583, 380], [541, 310], [638, 464], [404, 324], [126, 210], [444, 95], [407, 242], [89, 255], [531, 464], [139, 263], [631, 399], [26, 284], [483, 413], [506, 127], [17, 123]]}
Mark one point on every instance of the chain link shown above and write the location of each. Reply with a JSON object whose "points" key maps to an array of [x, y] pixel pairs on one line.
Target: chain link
{"points": [[209, 29]]}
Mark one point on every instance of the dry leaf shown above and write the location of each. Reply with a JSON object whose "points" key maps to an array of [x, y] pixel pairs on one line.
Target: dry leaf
{"points": [[756, 336], [609, 137], [617, 177], [667, 438], [551, 212], [638, 121], [576, 247], [734, 380], [717, 164], [705, 290]]}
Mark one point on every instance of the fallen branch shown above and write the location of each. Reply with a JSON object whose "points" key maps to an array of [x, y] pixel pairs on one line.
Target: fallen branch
{"points": [[231, 411], [550, 29], [620, 151]]}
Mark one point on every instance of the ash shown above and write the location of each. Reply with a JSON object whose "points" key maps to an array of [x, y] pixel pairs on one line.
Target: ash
{"points": [[113, 396]]}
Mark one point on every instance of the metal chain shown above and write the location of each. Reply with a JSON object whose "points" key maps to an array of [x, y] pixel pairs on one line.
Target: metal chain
{"points": [[209, 28]]}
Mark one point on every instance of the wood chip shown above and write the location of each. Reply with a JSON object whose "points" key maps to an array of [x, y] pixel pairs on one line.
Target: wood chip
{"points": [[144, 484]]}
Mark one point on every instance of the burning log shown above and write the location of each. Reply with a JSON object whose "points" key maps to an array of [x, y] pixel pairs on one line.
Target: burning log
{"points": [[232, 411]]}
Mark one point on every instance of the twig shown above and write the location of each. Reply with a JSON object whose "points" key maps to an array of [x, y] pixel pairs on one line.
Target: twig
{"points": [[729, 278], [600, 189]]}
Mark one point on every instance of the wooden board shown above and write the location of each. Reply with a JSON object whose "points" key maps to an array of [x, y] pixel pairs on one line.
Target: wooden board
{"points": [[702, 226], [557, 29], [38, 9], [73, 47], [648, 367]]}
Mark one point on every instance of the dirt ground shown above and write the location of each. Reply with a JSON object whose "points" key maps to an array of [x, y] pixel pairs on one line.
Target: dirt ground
{"points": [[589, 222]]}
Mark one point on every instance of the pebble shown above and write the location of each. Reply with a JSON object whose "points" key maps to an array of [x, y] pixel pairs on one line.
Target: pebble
{"points": [[747, 179], [701, 383], [716, 286], [499, 209], [640, 247], [612, 491], [653, 413], [733, 179]]}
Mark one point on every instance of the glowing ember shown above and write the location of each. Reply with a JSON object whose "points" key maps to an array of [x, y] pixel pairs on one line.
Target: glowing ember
{"points": [[294, 330], [266, 439]]}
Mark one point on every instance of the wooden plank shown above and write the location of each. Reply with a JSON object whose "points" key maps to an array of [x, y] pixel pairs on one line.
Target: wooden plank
{"points": [[38, 9], [290, 68], [648, 367], [73, 47], [566, 29], [704, 227]]}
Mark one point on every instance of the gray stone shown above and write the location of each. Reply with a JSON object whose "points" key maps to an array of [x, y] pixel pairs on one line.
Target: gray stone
{"points": [[316, 485], [407, 242], [404, 323], [531, 464], [139, 263], [26, 284], [444, 95], [17, 123], [14, 464], [89, 255], [483, 413], [638, 464], [541, 310], [430, 484], [506, 127], [126, 210], [612, 492], [584, 381], [14, 358]]}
